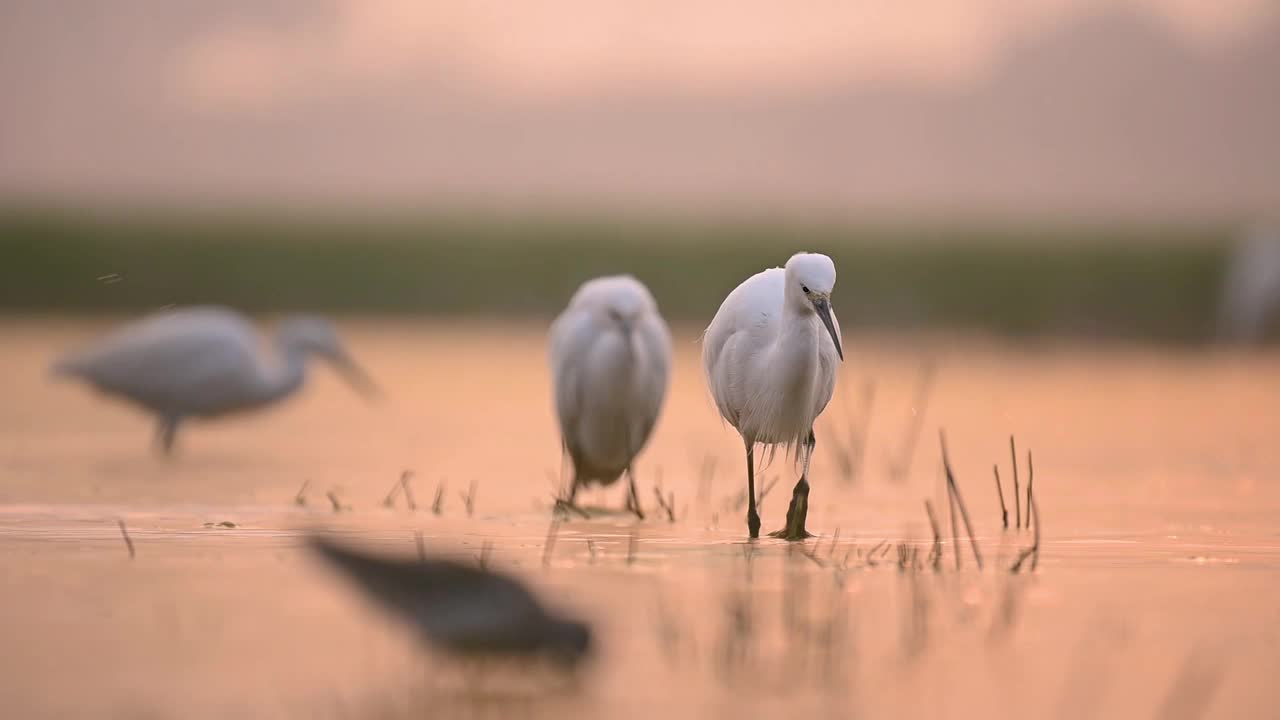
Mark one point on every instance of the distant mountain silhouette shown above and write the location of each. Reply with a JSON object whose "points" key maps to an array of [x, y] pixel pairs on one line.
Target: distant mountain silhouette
{"points": [[1109, 114]]}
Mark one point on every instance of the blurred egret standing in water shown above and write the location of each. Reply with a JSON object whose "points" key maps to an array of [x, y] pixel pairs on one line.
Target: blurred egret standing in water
{"points": [[203, 362], [1251, 288], [770, 356], [610, 359]]}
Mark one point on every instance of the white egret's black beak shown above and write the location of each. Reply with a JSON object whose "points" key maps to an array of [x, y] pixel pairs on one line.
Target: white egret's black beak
{"points": [[355, 376], [823, 307], [625, 323]]}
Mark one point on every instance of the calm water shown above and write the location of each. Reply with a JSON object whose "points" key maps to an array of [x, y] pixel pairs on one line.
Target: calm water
{"points": [[1157, 478]]}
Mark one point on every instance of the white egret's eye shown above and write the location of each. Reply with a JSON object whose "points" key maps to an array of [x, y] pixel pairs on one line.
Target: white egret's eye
{"points": [[805, 289]]}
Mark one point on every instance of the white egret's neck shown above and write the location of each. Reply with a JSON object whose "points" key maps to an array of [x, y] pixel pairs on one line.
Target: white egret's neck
{"points": [[798, 326], [283, 376], [623, 323], [794, 354], [798, 334], [797, 307]]}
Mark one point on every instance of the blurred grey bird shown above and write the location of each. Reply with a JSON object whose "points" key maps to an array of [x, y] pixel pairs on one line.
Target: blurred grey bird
{"points": [[610, 358], [204, 362], [463, 610], [1250, 303]]}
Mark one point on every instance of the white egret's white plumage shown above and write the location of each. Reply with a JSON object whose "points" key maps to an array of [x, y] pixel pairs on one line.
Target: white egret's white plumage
{"points": [[1251, 288], [205, 362], [610, 360], [770, 355]]}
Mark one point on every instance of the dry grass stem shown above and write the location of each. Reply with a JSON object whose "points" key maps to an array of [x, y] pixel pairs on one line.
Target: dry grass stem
{"points": [[935, 555], [124, 533], [334, 502], [469, 499], [550, 544], [1004, 510], [1031, 480], [964, 511], [300, 499], [1017, 491], [405, 487], [1032, 552], [437, 505]]}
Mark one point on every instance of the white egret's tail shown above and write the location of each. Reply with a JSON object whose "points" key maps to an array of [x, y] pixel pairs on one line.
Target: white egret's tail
{"points": [[793, 450]]}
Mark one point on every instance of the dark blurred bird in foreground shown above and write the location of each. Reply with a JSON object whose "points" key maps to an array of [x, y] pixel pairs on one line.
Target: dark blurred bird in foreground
{"points": [[204, 362], [465, 611]]}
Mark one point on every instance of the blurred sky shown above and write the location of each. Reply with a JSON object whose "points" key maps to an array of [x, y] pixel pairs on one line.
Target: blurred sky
{"points": [[1164, 108]]}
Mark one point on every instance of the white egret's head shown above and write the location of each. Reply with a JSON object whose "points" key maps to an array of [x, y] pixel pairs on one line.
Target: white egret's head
{"points": [[620, 298], [314, 335], [810, 278]]}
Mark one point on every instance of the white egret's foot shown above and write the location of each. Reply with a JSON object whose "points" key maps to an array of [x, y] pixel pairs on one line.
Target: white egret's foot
{"points": [[166, 433], [785, 534], [568, 507], [753, 523], [797, 513]]}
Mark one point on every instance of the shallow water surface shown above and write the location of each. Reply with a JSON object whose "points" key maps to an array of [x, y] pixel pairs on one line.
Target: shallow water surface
{"points": [[1157, 477]]}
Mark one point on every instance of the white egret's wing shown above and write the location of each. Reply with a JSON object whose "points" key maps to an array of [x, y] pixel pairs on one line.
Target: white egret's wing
{"points": [[654, 342], [751, 310], [571, 336]]}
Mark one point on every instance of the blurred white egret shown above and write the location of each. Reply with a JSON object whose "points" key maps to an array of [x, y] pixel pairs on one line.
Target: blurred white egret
{"points": [[204, 362], [610, 358], [770, 356], [1251, 288]]}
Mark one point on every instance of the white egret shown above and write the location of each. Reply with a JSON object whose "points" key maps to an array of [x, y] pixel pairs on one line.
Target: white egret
{"points": [[1251, 288], [770, 356], [610, 358], [203, 362]]}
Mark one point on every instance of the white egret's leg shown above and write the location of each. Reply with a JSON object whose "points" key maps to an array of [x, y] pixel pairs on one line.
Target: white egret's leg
{"points": [[808, 454], [567, 505], [798, 511], [564, 457], [753, 517], [166, 432]]}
